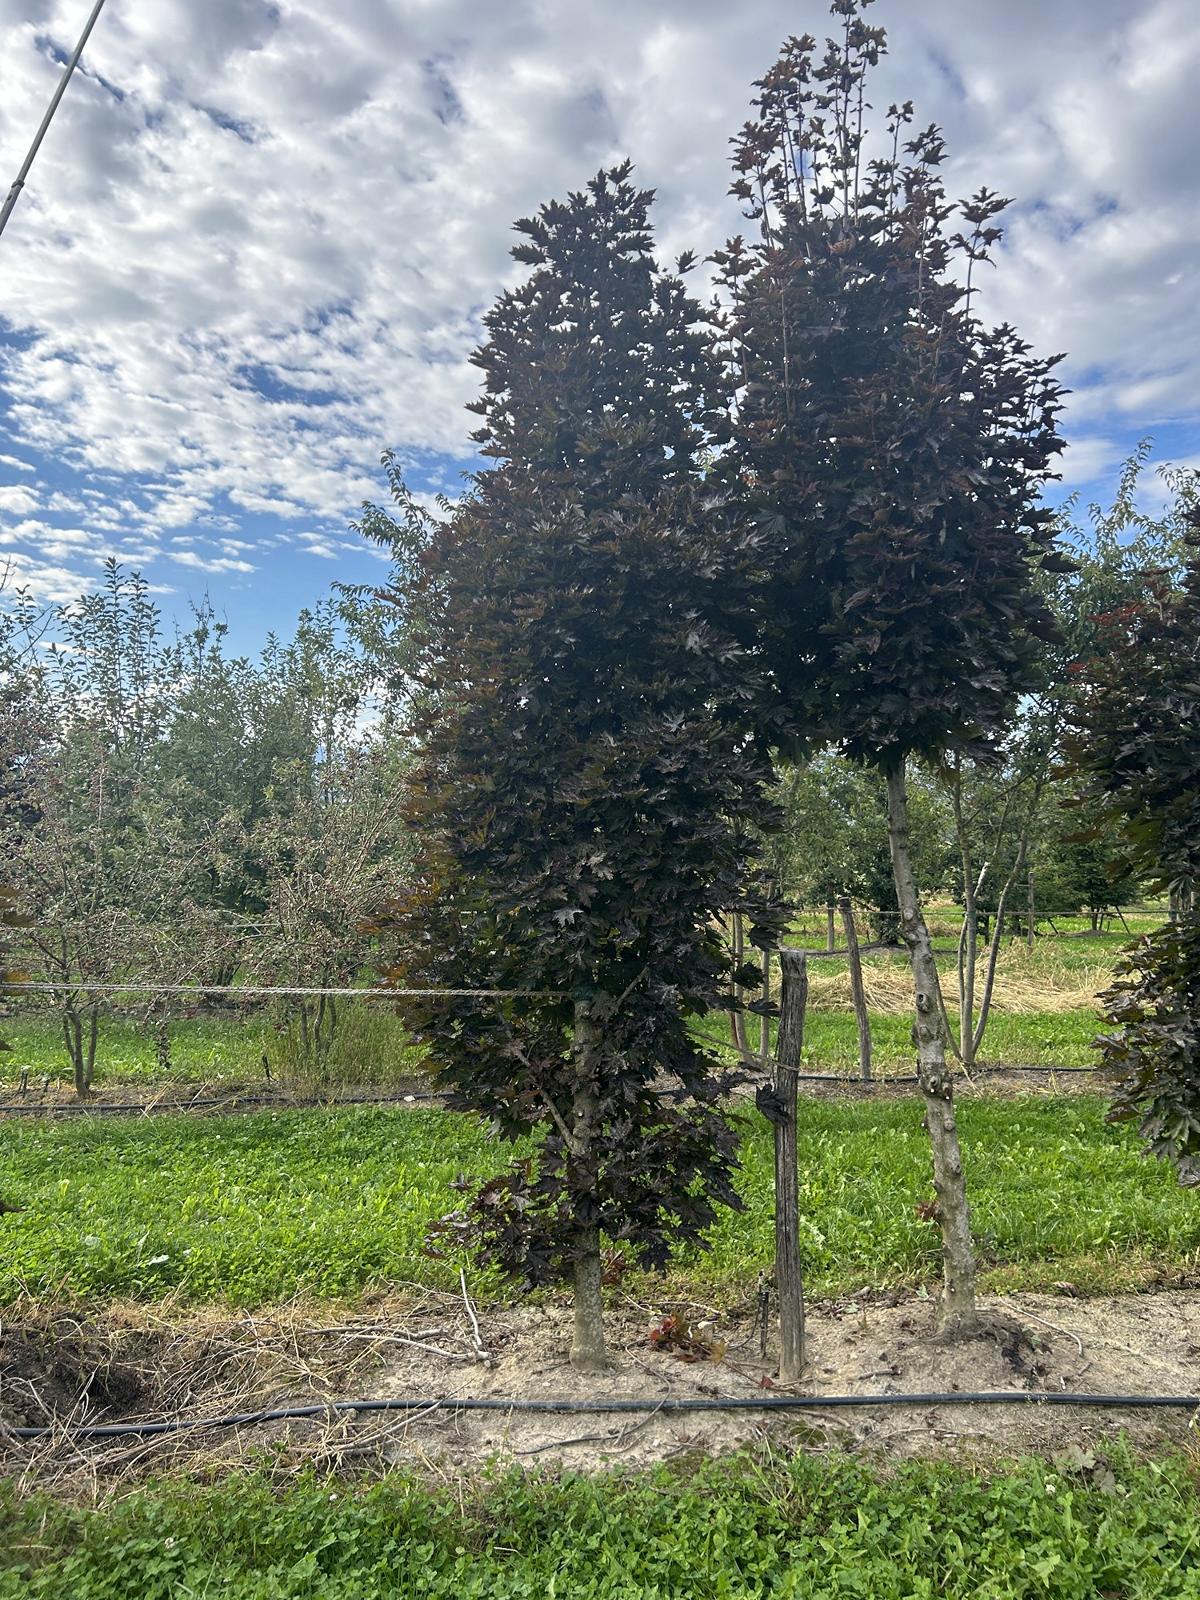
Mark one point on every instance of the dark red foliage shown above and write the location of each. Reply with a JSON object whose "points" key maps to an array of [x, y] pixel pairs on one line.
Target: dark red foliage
{"points": [[892, 445], [1155, 1054], [1135, 745], [1134, 739], [585, 797]]}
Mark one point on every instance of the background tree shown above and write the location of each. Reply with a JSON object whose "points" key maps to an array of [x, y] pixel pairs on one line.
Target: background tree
{"points": [[330, 852], [832, 838], [149, 786], [1135, 745], [894, 448], [82, 828], [583, 789]]}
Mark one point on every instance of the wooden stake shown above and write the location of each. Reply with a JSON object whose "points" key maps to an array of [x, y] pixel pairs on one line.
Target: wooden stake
{"points": [[858, 993]]}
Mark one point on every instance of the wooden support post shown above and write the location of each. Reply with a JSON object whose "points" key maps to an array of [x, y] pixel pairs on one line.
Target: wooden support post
{"points": [[789, 1283], [830, 940], [764, 1022], [858, 993]]}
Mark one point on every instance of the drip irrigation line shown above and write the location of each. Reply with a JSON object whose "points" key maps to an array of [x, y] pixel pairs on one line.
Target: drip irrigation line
{"points": [[766, 1403]]}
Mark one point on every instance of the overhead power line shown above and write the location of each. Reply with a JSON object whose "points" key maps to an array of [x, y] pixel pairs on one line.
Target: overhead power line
{"points": [[19, 181]]}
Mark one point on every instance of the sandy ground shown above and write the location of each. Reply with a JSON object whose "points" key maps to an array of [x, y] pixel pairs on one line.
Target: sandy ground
{"points": [[134, 1363], [1035, 1343]]}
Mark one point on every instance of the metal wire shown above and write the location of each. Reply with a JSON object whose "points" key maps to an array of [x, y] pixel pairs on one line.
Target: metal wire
{"points": [[257, 991]]}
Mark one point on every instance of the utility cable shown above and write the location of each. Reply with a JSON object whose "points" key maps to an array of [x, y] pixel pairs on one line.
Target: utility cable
{"points": [[19, 181]]}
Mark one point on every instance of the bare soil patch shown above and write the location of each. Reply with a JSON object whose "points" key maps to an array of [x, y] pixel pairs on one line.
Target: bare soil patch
{"points": [[58, 1371]]}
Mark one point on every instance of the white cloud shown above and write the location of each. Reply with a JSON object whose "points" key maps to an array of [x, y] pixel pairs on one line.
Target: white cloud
{"points": [[189, 558], [17, 499], [15, 462], [265, 258]]}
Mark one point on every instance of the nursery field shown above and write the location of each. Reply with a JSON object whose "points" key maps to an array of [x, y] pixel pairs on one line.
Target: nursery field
{"points": [[252, 1209], [153, 1227]]}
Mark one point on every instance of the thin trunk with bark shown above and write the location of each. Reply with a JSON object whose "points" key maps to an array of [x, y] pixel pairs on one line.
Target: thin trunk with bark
{"points": [[957, 1313], [977, 925], [737, 1017], [789, 1282], [588, 1350], [857, 992], [81, 1047]]}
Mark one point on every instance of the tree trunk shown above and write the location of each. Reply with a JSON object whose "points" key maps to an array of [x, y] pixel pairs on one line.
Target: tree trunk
{"points": [[588, 1352], [957, 1314], [968, 939], [82, 1061], [93, 1030], [856, 988], [1029, 909], [789, 1281], [737, 1017]]}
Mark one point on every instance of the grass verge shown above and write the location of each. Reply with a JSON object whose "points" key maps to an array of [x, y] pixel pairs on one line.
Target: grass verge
{"points": [[806, 1529]]}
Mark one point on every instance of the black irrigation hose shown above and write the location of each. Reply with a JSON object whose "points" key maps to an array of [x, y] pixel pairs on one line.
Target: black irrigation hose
{"points": [[238, 1102], [787, 1402]]}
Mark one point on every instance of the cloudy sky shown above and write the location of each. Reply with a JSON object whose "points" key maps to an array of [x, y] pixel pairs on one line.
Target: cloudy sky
{"points": [[257, 243]]}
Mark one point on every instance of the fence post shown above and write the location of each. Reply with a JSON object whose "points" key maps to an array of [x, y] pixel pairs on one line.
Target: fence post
{"points": [[1029, 911], [830, 940], [858, 993], [789, 1283]]}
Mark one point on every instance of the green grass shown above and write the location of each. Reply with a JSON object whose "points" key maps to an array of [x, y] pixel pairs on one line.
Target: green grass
{"points": [[375, 1050], [253, 1209], [800, 1529], [1040, 1039], [202, 1049], [370, 1047]]}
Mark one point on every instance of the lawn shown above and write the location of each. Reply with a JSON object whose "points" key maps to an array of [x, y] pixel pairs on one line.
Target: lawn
{"points": [[796, 1529], [253, 1209]]}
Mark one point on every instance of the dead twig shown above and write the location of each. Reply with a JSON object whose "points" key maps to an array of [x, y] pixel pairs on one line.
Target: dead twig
{"points": [[477, 1339]]}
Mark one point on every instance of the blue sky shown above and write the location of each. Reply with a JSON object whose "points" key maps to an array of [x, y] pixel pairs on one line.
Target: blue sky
{"points": [[259, 238]]}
